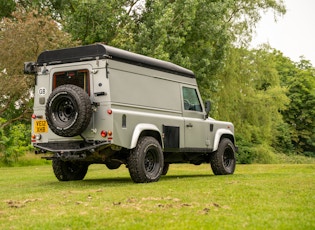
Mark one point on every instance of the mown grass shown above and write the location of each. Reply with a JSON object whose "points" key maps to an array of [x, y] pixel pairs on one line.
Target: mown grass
{"points": [[189, 197]]}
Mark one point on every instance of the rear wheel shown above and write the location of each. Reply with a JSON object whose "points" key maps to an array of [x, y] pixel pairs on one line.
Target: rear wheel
{"points": [[68, 170], [146, 161], [223, 160]]}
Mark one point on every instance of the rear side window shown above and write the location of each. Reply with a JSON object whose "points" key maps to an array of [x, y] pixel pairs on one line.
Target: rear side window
{"points": [[191, 99], [77, 77]]}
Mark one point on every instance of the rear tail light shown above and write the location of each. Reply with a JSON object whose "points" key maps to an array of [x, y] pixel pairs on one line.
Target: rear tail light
{"points": [[36, 137], [103, 133], [34, 116], [107, 134]]}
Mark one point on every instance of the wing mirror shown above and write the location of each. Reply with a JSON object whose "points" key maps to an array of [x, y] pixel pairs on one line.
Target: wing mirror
{"points": [[29, 67], [207, 108]]}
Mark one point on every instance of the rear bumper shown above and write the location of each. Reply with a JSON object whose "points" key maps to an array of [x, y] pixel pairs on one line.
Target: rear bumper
{"points": [[69, 147]]}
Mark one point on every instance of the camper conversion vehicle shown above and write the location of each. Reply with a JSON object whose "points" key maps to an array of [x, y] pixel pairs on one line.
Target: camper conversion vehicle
{"points": [[98, 104]]}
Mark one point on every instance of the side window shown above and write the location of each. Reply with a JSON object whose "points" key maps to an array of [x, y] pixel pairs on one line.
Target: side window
{"points": [[77, 77], [191, 99]]}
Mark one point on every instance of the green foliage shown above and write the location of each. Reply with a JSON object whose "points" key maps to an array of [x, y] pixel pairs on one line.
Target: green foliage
{"points": [[272, 103], [96, 21], [23, 37], [197, 34], [282, 141], [301, 114], [299, 78], [245, 154], [190, 33], [251, 96], [263, 154], [250, 153], [6, 8], [14, 142]]}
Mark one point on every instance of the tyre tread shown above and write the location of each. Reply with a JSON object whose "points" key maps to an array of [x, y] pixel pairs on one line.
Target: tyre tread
{"points": [[136, 171], [216, 159], [62, 172], [84, 109]]}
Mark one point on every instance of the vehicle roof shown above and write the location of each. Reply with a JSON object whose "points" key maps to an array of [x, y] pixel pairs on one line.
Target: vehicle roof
{"points": [[101, 51]]}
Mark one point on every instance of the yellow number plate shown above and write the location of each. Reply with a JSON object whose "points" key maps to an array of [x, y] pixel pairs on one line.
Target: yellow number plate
{"points": [[40, 126]]}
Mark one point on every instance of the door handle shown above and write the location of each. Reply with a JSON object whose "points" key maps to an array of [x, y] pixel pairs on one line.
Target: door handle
{"points": [[97, 94], [189, 125]]}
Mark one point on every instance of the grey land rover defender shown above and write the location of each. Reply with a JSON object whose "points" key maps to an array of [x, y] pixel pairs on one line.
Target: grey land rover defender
{"points": [[97, 104]]}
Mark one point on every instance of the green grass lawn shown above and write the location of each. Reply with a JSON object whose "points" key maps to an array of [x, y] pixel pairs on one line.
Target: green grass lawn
{"points": [[189, 197]]}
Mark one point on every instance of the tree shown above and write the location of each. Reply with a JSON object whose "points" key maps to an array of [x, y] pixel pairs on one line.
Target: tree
{"points": [[98, 21], [54, 8], [23, 37], [189, 33], [299, 79], [249, 94], [6, 8], [197, 34], [13, 142], [300, 114]]}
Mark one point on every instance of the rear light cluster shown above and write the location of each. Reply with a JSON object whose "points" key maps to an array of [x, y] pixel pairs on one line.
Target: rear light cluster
{"points": [[34, 116], [108, 134], [36, 137]]}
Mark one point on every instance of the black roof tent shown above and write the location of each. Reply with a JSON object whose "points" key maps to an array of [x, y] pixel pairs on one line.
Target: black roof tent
{"points": [[92, 52]]}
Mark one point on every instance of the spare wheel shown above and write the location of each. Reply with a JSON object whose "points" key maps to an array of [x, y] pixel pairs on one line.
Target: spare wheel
{"points": [[68, 110]]}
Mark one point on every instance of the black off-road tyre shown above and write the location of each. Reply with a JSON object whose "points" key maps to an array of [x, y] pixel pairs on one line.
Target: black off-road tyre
{"points": [[67, 170], [68, 110], [165, 168], [146, 161], [223, 161]]}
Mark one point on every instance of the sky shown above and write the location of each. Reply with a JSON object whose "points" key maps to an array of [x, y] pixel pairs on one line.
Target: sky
{"points": [[293, 34]]}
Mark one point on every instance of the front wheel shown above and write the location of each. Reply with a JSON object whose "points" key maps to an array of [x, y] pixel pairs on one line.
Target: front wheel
{"points": [[165, 168], [223, 160], [67, 170], [146, 161]]}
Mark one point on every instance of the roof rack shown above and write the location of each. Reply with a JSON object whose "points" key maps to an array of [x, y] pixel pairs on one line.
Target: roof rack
{"points": [[100, 51]]}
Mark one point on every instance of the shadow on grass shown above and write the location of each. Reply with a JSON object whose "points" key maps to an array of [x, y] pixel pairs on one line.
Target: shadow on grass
{"points": [[118, 181], [127, 180], [124, 180], [109, 182], [115, 181], [181, 176]]}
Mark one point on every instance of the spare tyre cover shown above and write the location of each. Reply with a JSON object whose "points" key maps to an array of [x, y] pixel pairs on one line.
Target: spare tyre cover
{"points": [[68, 110]]}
